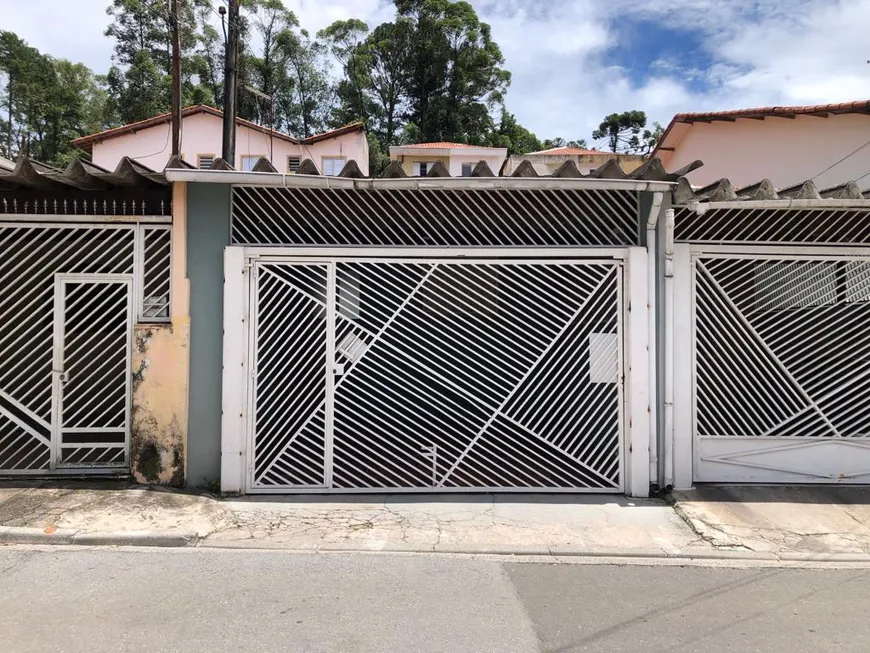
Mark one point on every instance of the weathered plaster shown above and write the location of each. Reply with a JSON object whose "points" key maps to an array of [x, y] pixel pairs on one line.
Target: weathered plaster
{"points": [[161, 377], [160, 383]]}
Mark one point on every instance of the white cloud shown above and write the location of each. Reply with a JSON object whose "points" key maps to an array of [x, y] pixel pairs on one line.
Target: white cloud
{"points": [[766, 52]]}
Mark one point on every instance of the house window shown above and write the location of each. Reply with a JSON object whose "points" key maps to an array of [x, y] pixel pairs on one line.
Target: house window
{"points": [[421, 168], [293, 163], [466, 169], [204, 161], [249, 161], [332, 165]]}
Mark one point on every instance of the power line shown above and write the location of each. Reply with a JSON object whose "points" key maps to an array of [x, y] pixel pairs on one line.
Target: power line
{"points": [[836, 163]]}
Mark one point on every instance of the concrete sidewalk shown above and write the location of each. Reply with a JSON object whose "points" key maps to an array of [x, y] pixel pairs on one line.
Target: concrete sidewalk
{"points": [[808, 521], [514, 524], [811, 523]]}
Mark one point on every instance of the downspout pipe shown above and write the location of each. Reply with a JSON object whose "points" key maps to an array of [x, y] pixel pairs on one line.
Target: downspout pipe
{"points": [[651, 253], [667, 435]]}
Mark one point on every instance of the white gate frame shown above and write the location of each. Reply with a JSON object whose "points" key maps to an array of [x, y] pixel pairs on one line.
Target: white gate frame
{"points": [[137, 224], [682, 325], [635, 293], [59, 336]]}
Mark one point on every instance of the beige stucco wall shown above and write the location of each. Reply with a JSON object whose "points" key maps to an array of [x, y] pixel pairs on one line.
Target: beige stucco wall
{"points": [[161, 356], [786, 151], [453, 162], [202, 133], [547, 165], [409, 161]]}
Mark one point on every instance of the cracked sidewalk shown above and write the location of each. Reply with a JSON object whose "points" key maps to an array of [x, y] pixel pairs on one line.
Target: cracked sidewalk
{"points": [[485, 523], [769, 523], [810, 520]]}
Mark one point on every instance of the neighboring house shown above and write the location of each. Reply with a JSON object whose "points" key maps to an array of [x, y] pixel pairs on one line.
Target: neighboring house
{"points": [[546, 162], [6, 164], [826, 143], [148, 143], [459, 158]]}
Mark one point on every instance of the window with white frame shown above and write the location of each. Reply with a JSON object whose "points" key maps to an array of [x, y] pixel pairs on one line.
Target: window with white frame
{"points": [[293, 163], [248, 161], [466, 169], [332, 165], [421, 168], [204, 161]]}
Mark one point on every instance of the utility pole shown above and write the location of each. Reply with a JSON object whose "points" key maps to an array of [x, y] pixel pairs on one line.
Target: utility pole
{"points": [[176, 77], [228, 152]]}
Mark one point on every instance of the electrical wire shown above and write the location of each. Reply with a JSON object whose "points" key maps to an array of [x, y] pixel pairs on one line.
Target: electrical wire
{"points": [[836, 163], [165, 145]]}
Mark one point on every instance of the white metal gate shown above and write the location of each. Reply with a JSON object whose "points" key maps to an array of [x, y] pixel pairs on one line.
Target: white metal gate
{"points": [[781, 367], [435, 375], [91, 370], [71, 293]]}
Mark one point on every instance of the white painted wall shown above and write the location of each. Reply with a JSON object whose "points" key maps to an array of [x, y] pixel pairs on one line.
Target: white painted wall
{"points": [[494, 162], [786, 151], [202, 133]]}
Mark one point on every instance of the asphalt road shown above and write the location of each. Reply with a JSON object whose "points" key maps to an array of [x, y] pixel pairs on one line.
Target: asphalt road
{"points": [[156, 600]]}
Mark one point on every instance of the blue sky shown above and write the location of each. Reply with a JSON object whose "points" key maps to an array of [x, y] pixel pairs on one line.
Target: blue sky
{"points": [[574, 61]]}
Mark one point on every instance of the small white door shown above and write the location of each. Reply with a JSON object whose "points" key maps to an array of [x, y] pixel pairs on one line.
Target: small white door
{"points": [[91, 371]]}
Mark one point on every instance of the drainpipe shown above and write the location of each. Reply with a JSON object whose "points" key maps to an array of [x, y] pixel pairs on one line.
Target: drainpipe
{"points": [[667, 437], [652, 221]]}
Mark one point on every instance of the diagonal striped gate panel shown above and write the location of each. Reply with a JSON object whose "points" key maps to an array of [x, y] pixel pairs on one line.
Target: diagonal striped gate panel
{"points": [[29, 259], [484, 375], [290, 380], [94, 351], [783, 347]]}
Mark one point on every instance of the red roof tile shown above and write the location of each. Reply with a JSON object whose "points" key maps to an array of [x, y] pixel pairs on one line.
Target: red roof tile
{"points": [[446, 146], [858, 106], [86, 141], [760, 113], [566, 151]]}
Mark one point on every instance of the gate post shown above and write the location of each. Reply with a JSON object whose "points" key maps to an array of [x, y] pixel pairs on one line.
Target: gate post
{"points": [[637, 390], [681, 323], [235, 375]]}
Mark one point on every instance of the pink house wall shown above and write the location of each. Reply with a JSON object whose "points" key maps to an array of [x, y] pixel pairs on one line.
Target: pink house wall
{"points": [[786, 151], [202, 134]]}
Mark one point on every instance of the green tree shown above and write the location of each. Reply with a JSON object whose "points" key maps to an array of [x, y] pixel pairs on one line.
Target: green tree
{"points": [[139, 82], [267, 72], [388, 51], [651, 138], [308, 107], [48, 102], [622, 131], [553, 143], [512, 135], [346, 40], [454, 75]]}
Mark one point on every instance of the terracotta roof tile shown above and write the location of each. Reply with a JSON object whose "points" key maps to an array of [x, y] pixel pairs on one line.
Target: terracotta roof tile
{"points": [[858, 106], [86, 141], [566, 151], [444, 145]]}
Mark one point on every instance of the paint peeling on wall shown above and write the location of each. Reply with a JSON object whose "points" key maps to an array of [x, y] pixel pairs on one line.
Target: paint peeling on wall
{"points": [[160, 383]]}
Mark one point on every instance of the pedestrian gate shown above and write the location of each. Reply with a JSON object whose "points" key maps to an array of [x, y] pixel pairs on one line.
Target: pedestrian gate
{"points": [[71, 295], [435, 374], [782, 367]]}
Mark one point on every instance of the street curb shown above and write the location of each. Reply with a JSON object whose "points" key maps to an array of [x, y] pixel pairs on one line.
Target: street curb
{"points": [[10, 535], [552, 553], [23, 535], [137, 538]]}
